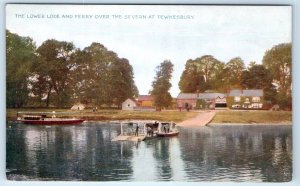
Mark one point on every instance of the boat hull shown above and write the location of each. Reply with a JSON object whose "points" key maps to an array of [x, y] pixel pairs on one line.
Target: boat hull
{"points": [[54, 122], [170, 134]]}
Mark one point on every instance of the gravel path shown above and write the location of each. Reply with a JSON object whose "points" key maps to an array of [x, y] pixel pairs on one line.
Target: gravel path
{"points": [[202, 119]]}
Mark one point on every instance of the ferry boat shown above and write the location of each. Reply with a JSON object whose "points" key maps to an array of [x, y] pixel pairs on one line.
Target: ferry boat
{"points": [[142, 130], [167, 129], [42, 118]]}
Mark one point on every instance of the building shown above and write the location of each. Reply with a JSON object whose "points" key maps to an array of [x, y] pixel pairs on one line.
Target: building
{"points": [[78, 106], [245, 99], [186, 100], [145, 101], [211, 100], [129, 104]]}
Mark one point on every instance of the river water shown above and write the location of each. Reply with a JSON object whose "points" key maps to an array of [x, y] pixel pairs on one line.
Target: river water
{"points": [[86, 152]]}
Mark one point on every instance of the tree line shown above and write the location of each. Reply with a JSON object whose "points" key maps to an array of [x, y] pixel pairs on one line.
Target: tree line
{"points": [[273, 75], [59, 74]]}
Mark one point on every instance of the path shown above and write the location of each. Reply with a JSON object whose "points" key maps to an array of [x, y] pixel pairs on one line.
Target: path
{"points": [[202, 119]]}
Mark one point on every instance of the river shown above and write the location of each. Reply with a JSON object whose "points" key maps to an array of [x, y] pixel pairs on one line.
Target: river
{"points": [[85, 152]]}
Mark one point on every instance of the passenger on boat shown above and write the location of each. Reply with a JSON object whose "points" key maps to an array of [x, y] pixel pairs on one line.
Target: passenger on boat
{"points": [[137, 130], [149, 131], [165, 129]]}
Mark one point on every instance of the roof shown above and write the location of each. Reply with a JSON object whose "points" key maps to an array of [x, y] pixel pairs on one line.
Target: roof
{"points": [[187, 96], [144, 98], [211, 95], [247, 92], [130, 99]]}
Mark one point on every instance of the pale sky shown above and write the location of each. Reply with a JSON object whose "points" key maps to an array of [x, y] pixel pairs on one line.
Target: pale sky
{"points": [[222, 31]]}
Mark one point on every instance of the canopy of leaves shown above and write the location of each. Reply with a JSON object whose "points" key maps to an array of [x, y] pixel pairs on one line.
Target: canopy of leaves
{"points": [[161, 85], [66, 74], [20, 54], [279, 61], [201, 74]]}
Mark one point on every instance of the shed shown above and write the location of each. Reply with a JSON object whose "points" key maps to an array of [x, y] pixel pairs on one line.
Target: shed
{"points": [[78, 106], [129, 104]]}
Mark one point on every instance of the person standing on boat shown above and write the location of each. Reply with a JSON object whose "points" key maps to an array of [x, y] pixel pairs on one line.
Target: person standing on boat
{"points": [[165, 129], [137, 130]]}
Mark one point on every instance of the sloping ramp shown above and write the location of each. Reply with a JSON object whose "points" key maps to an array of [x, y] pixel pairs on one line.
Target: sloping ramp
{"points": [[202, 119]]}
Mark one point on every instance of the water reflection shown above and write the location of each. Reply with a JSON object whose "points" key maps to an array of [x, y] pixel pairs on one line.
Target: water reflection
{"points": [[86, 152]]}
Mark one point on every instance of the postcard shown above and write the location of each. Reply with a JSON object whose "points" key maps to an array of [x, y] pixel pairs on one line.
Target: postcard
{"points": [[189, 93]]}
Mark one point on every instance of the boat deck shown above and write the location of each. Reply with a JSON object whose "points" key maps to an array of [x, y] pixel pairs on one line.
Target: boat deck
{"points": [[129, 138]]}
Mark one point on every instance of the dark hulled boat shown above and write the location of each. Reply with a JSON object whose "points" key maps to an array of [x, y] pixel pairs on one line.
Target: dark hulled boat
{"points": [[42, 119]]}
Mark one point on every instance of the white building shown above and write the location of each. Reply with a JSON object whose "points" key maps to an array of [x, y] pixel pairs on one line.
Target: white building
{"points": [[129, 104]]}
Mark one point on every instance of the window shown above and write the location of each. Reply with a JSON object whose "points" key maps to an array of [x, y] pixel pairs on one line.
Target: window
{"points": [[237, 99], [255, 105], [128, 105], [256, 99], [247, 100]]}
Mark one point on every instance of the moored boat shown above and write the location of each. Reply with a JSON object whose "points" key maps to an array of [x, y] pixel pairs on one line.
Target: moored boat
{"points": [[167, 129], [41, 118]]}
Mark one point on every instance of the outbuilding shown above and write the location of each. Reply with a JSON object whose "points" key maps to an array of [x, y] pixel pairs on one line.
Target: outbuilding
{"points": [[129, 104]]}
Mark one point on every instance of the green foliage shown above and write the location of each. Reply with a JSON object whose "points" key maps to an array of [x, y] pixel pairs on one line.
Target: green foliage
{"points": [[59, 71], [201, 104], [257, 77], [279, 61], [233, 72], [161, 85], [201, 74], [20, 54], [101, 77], [53, 71]]}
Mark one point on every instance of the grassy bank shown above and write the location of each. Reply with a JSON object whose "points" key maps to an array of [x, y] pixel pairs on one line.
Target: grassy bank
{"points": [[252, 117], [226, 116], [105, 115]]}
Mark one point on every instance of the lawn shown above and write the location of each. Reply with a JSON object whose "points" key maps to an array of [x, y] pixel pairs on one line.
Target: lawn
{"points": [[106, 115], [252, 117]]}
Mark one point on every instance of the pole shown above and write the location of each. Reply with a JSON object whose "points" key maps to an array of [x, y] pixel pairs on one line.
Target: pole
{"points": [[122, 128]]}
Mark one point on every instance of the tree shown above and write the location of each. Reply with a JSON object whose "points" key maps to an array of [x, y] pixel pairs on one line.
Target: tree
{"points": [[191, 80], [258, 77], [54, 69], [279, 61], [233, 71], [20, 55], [161, 85], [101, 77], [201, 74], [122, 82]]}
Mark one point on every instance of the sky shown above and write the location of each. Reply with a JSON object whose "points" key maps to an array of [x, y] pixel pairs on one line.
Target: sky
{"points": [[147, 35]]}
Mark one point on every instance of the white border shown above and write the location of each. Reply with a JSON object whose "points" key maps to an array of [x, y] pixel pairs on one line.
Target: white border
{"points": [[296, 88]]}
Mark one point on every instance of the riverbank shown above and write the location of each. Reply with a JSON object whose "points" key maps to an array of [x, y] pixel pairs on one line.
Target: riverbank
{"points": [[111, 114], [252, 117], [221, 117]]}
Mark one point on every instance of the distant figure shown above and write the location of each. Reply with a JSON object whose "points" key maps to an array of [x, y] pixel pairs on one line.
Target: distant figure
{"points": [[149, 131], [137, 130], [165, 129], [53, 116], [78, 108], [96, 109]]}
